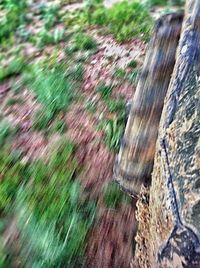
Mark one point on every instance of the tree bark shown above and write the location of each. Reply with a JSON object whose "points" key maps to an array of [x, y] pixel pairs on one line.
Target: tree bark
{"points": [[134, 162], [171, 235]]}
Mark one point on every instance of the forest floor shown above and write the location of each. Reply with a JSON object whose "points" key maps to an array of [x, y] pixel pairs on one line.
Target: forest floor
{"points": [[100, 78]]}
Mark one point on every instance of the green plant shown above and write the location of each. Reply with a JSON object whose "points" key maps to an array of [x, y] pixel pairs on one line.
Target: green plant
{"points": [[129, 19], [113, 196], [76, 72], [132, 64], [13, 16], [41, 120], [58, 215], [124, 19], [115, 105], [120, 73], [167, 3], [104, 90], [52, 89], [5, 131], [14, 67], [84, 41], [52, 213], [133, 76], [11, 176], [49, 14], [91, 107], [45, 37], [95, 13], [13, 101]]}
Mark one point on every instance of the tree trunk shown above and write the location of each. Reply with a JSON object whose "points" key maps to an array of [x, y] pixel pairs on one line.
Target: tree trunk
{"points": [[169, 226], [134, 163]]}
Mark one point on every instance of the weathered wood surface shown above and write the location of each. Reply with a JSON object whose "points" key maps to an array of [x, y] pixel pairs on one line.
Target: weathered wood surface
{"points": [[134, 162], [172, 233]]}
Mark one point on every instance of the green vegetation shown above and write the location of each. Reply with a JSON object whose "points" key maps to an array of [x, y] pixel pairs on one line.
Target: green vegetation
{"points": [[52, 89], [49, 14], [11, 173], [125, 19], [120, 73], [113, 128], [132, 64], [76, 72], [104, 90], [91, 107], [133, 76], [12, 15], [166, 2], [14, 67], [114, 197], [47, 196], [6, 131], [45, 37], [84, 41]]}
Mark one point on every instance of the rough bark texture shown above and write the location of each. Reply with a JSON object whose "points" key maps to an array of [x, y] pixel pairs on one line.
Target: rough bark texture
{"points": [[172, 235], [134, 162]]}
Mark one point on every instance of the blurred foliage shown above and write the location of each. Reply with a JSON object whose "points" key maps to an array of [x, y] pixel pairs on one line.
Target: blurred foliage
{"points": [[6, 131], [104, 90], [11, 68], [165, 2], [113, 196], [84, 41], [52, 89], [125, 19], [12, 15], [53, 216], [113, 127]]}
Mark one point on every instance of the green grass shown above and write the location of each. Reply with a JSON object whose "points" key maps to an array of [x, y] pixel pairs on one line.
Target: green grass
{"points": [[76, 72], [45, 37], [166, 2], [113, 128], [52, 89], [84, 42], [52, 212], [104, 90], [132, 77], [50, 14], [125, 19], [120, 73], [6, 131], [14, 67], [115, 105], [14, 15], [11, 173], [132, 64], [113, 196]]}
